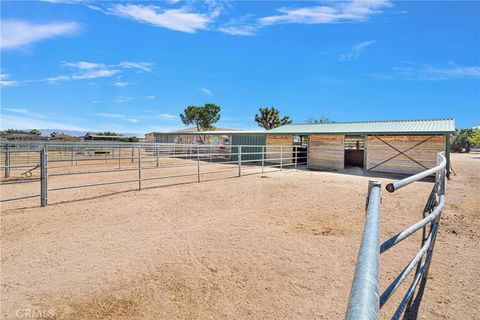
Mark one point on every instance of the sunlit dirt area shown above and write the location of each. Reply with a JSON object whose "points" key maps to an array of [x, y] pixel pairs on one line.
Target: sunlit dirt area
{"points": [[277, 245]]}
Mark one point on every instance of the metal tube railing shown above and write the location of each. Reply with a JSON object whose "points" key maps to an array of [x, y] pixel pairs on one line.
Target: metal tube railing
{"points": [[391, 187], [364, 300]]}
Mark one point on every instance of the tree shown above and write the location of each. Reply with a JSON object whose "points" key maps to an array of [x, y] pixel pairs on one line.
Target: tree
{"points": [[475, 139], [203, 117], [108, 133], [269, 118], [35, 132], [320, 120], [460, 140]]}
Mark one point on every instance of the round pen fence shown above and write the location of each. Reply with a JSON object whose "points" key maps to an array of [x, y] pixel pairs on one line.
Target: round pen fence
{"points": [[42, 163], [50, 168]]}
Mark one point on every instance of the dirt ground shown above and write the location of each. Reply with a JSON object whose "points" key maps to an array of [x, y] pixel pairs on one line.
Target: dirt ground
{"points": [[281, 245]]}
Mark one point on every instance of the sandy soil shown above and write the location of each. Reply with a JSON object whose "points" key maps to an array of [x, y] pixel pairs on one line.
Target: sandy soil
{"points": [[281, 245]]}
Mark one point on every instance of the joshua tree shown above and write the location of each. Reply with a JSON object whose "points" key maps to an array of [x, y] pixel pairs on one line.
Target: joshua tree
{"points": [[269, 118]]}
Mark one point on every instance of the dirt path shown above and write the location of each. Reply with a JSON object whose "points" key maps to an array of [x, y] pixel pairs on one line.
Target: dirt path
{"points": [[278, 246]]}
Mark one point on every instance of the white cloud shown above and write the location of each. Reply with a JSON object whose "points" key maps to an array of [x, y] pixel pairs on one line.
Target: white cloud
{"points": [[238, 30], [150, 97], [356, 50], [121, 84], [16, 110], [84, 65], [427, 72], [180, 19], [96, 101], [205, 91], [25, 122], [145, 66], [167, 116], [122, 99], [6, 82], [353, 11], [17, 34], [111, 115]]}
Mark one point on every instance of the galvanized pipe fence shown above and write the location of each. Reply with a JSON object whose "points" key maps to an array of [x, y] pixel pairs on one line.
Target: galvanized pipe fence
{"points": [[365, 297], [41, 162]]}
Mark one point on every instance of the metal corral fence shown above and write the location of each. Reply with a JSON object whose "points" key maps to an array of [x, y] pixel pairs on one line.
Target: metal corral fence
{"points": [[29, 162], [365, 299]]}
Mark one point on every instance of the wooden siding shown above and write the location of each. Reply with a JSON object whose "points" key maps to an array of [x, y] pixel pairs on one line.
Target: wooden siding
{"points": [[326, 151], [425, 153], [277, 143]]}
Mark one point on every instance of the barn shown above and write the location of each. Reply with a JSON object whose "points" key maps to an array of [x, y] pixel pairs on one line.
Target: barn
{"points": [[397, 146]]}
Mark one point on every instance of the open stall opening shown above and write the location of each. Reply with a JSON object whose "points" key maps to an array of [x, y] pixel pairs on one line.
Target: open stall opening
{"points": [[300, 143], [354, 151]]}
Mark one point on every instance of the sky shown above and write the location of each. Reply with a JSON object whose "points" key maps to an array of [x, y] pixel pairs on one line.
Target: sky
{"points": [[133, 66]]}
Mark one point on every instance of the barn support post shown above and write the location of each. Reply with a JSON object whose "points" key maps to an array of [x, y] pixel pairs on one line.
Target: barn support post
{"points": [[7, 160], [44, 176], [139, 170], [198, 163], [239, 161]]}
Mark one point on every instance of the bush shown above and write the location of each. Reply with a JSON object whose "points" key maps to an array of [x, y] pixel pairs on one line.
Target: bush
{"points": [[461, 140]]}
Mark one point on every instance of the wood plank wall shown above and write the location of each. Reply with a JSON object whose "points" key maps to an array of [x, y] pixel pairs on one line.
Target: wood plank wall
{"points": [[326, 151], [425, 153], [273, 143]]}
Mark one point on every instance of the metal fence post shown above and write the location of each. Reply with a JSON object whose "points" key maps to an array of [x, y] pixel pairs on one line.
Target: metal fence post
{"points": [[7, 161], [139, 170], [44, 176], [296, 156], [263, 157], [239, 160], [133, 153], [281, 157], [198, 163], [158, 155]]}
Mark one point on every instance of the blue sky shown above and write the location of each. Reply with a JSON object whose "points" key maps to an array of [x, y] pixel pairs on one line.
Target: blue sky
{"points": [[133, 66]]}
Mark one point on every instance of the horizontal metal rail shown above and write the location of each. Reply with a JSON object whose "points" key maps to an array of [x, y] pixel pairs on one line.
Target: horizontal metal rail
{"points": [[92, 185], [392, 187], [20, 198]]}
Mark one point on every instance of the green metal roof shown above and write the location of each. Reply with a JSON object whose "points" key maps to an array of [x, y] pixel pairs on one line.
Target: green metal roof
{"points": [[385, 127]]}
